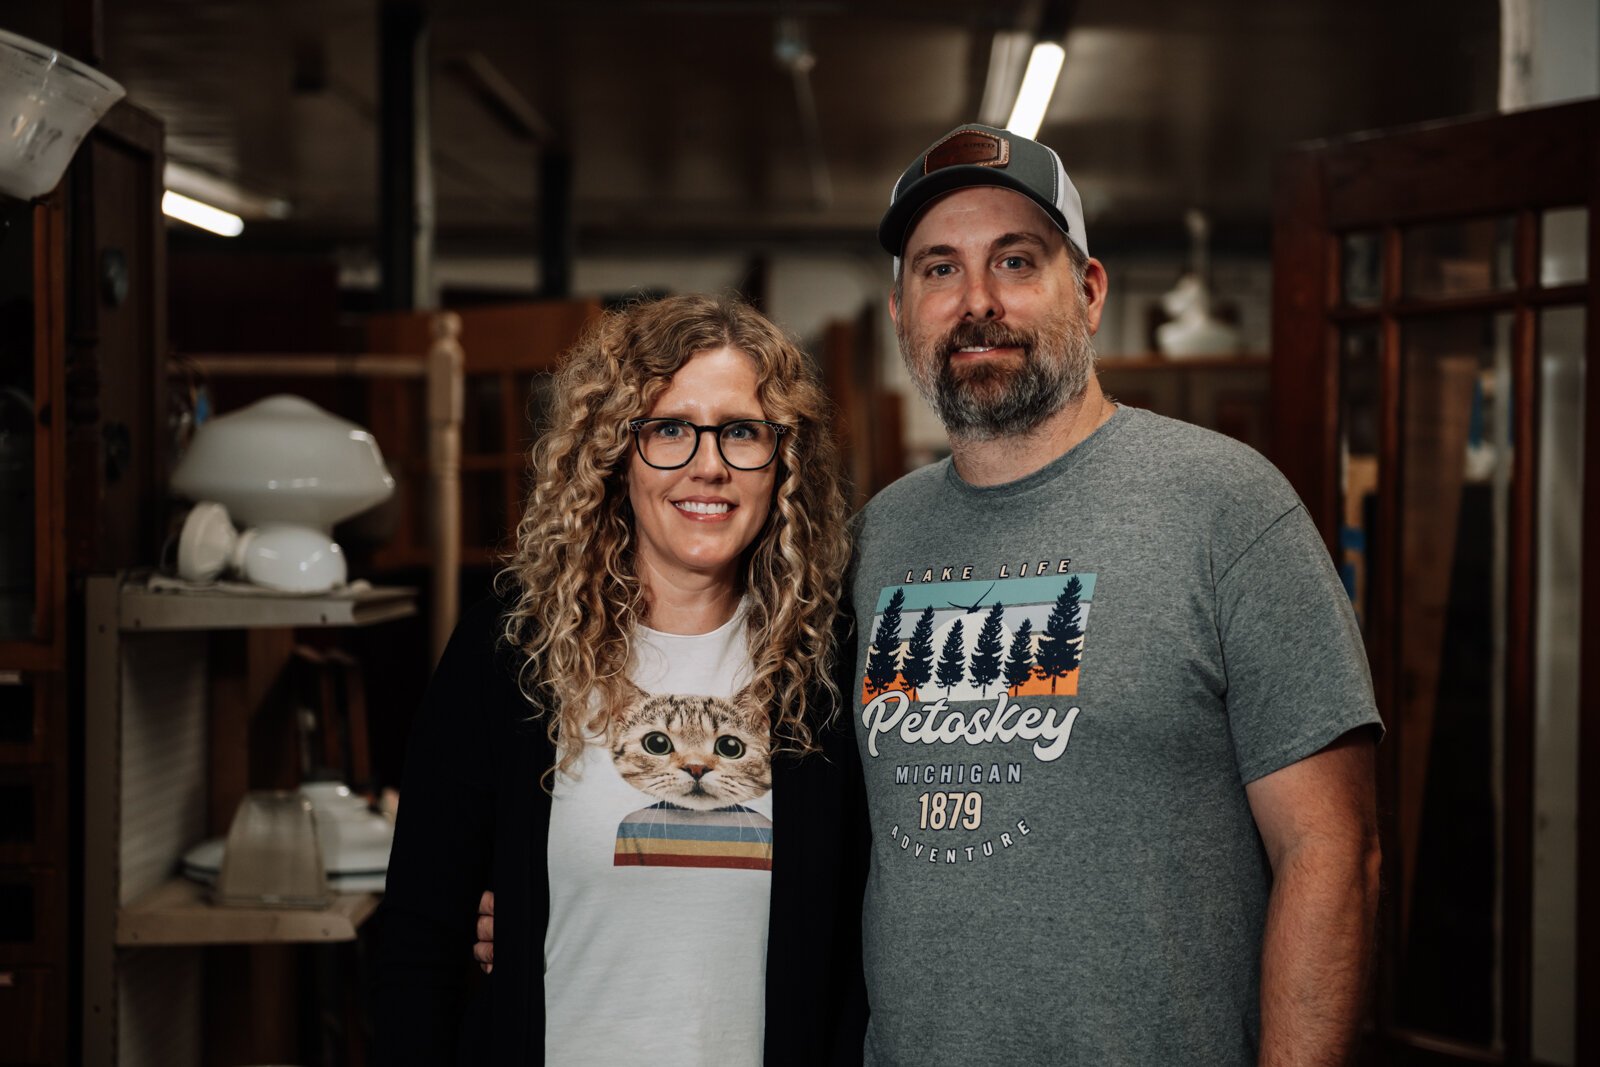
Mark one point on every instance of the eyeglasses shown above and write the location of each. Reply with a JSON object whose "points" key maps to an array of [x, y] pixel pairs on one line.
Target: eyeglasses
{"points": [[744, 444]]}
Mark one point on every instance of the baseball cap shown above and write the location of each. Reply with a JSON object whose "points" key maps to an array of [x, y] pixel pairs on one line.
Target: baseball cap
{"points": [[975, 154]]}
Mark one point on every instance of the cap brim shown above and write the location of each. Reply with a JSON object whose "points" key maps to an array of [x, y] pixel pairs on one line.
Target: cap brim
{"points": [[897, 222]]}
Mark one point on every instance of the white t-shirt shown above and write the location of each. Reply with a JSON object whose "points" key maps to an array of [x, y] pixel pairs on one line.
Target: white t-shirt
{"points": [[660, 863]]}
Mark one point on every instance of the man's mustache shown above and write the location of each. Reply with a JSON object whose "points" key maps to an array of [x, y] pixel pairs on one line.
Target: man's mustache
{"points": [[985, 335]]}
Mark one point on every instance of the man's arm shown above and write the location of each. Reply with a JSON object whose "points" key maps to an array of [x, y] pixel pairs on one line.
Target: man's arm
{"points": [[1318, 821]]}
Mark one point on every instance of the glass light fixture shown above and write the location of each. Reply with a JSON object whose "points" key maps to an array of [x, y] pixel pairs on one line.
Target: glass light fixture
{"points": [[196, 213], [273, 856], [48, 102], [288, 471]]}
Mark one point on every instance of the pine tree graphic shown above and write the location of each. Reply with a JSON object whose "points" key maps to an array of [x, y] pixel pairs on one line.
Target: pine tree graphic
{"points": [[986, 657], [917, 667], [881, 667], [1019, 665], [952, 658], [1060, 649]]}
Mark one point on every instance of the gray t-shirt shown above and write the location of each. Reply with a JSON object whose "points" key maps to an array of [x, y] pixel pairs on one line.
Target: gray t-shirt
{"points": [[1064, 865]]}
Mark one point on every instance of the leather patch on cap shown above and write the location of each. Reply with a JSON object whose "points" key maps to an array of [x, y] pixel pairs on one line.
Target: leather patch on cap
{"points": [[968, 148]]}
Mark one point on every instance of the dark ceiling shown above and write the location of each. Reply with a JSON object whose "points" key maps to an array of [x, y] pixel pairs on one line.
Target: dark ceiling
{"points": [[684, 128]]}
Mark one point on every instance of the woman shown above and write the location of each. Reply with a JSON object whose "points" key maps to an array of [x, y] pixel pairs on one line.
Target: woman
{"points": [[633, 746]]}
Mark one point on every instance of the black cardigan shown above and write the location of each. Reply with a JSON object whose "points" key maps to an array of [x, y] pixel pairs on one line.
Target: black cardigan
{"points": [[475, 816]]}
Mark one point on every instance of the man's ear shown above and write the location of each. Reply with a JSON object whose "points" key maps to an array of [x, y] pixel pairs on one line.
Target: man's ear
{"points": [[894, 308], [1096, 284]]}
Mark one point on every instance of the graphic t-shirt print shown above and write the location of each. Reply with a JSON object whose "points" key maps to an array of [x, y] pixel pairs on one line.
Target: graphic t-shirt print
{"points": [[969, 688], [699, 758]]}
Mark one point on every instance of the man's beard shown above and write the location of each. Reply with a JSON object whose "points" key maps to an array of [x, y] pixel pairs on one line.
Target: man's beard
{"points": [[990, 400]]}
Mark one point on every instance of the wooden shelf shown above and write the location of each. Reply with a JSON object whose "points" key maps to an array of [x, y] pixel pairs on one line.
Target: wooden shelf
{"points": [[1156, 361], [177, 913], [145, 609]]}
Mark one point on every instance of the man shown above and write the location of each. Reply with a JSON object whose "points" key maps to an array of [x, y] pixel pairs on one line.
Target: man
{"points": [[1114, 716]]}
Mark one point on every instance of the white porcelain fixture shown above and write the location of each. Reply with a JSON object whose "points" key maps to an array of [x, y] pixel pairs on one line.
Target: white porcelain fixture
{"points": [[48, 102], [288, 470], [294, 559], [1194, 331], [205, 547]]}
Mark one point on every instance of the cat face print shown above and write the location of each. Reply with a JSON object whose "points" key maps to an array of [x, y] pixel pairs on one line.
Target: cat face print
{"points": [[696, 752]]}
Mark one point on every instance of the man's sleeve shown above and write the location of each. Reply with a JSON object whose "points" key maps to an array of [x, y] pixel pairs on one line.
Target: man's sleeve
{"points": [[1296, 668]]}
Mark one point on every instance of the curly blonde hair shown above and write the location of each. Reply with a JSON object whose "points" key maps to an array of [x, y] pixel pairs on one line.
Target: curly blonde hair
{"points": [[578, 597]]}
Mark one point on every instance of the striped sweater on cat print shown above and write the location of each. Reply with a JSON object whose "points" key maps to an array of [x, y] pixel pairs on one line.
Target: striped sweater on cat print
{"points": [[666, 835]]}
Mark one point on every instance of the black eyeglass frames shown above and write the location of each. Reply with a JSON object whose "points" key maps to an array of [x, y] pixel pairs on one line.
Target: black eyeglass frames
{"points": [[744, 444]]}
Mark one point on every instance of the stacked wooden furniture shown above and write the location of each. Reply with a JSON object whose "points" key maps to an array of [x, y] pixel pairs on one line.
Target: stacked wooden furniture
{"points": [[509, 351]]}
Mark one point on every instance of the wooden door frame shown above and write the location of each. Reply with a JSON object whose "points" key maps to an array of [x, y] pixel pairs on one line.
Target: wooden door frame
{"points": [[132, 132], [1522, 162]]}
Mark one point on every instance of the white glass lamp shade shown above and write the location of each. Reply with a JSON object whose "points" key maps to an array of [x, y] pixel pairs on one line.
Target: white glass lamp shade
{"points": [[47, 103], [284, 460]]}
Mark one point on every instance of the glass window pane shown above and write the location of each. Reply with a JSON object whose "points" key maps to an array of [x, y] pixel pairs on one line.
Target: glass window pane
{"points": [[1361, 268], [1564, 246], [16, 709], [1359, 419], [17, 815], [18, 920], [1559, 541], [17, 559], [1456, 468], [1458, 259], [484, 417]]}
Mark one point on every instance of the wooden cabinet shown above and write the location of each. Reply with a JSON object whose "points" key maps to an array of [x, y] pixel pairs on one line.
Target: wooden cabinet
{"points": [[32, 296], [81, 305]]}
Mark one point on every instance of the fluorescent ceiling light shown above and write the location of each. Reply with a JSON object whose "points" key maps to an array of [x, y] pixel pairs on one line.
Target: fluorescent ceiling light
{"points": [[1038, 86], [207, 188], [1008, 55], [180, 207]]}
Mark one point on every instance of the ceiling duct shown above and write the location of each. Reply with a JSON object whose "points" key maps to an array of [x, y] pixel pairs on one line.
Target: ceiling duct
{"points": [[499, 97]]}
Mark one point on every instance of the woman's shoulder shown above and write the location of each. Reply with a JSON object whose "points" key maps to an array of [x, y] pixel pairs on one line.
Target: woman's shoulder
{"points": [[480, 629], [484, 617], [481, 648]]}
